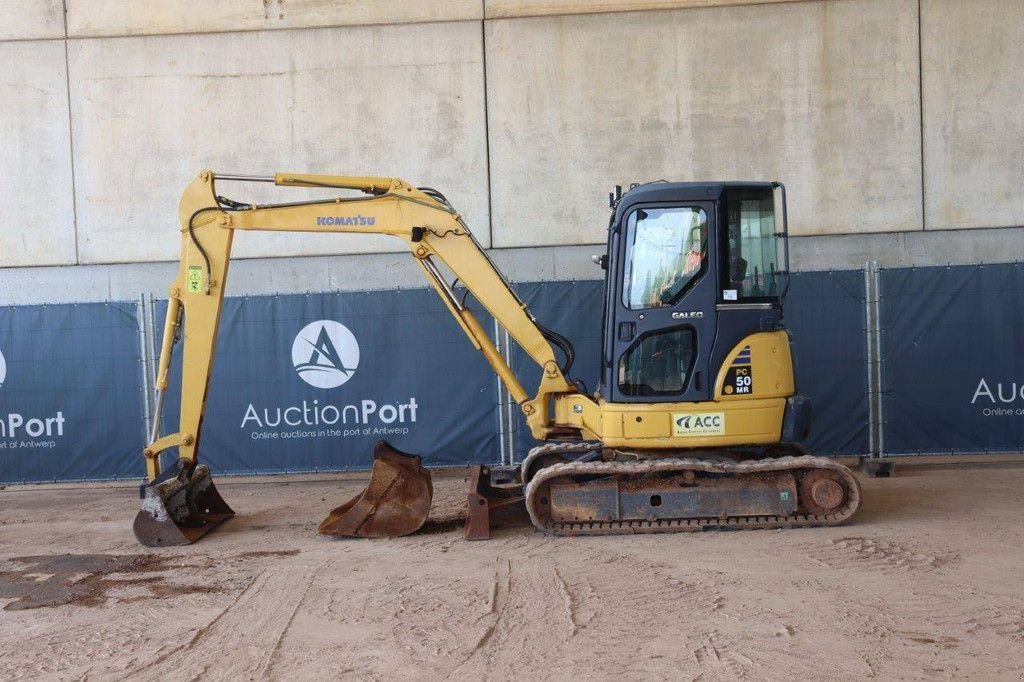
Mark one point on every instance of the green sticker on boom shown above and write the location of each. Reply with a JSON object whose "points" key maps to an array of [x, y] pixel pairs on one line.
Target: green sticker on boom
{"points": [[195, 279]]}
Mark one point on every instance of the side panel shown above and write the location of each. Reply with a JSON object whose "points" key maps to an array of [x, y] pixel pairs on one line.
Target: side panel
{"points": [[676, 425]]}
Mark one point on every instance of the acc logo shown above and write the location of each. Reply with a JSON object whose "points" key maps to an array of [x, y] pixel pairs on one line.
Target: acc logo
{"points": [[699, 424], [3, 369], [325, 354]]}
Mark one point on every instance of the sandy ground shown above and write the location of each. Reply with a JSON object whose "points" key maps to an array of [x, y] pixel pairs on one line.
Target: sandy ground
{"points": [[926, 583]]}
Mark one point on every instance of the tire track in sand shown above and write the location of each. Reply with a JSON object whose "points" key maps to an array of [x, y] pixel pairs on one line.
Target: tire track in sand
{"points": [[884, 555], [530, 615], [254, 625]]}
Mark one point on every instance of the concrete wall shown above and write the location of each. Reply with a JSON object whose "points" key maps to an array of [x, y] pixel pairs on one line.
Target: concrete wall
{"points": [[972, 62], [36, 205], [503, 9], [896, 125], [823, 96], [31, 20], [96, 18], [148, 113]]}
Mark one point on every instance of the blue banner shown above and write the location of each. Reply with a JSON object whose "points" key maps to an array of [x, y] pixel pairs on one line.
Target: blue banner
{"points": [[825, 314], [70, 393], [311, 382], [952, 359]]}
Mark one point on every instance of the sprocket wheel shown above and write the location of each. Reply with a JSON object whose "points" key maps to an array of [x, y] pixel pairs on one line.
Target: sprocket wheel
{"points": [[822, 492]]}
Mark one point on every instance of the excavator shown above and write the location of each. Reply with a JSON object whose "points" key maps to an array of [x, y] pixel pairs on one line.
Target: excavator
{"points": [[696, 423]]}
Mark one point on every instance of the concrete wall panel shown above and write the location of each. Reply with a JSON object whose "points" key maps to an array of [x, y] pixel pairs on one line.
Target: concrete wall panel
{"points": [[822, 96], [31, 19], [504, 9], [972, 61], [149, 113], [92, 18], [36, 207]]}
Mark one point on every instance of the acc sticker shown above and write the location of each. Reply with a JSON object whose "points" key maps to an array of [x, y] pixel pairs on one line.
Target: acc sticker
{"points": [[699, 423], [195, 279]]}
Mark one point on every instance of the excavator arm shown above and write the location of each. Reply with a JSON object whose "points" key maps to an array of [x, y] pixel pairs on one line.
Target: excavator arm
{"points": [[436, 237], [430, 228]]}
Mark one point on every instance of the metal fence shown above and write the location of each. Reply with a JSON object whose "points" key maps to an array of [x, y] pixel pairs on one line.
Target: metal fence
{"points": [[70, 394], [897, 361], [951, 357]]}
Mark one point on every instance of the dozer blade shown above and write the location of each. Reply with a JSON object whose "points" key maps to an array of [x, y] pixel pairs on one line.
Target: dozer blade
{"points": [[180, 508], [395, 502], [489, 503]]}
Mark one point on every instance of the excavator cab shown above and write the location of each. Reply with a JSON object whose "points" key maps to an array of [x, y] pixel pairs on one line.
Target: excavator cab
{"points": [[693, 268]]}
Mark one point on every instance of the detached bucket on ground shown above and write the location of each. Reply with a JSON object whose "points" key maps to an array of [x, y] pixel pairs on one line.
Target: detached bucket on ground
{"points": [[395, 502], [180, 507]]}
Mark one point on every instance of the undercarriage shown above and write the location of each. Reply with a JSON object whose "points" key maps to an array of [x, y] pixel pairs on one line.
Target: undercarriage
{"points": [[586, 489]]}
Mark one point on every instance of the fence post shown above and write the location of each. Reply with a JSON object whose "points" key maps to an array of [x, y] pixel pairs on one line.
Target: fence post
{"points": [[869, 345], [500, 393], [510, 404], [872, 465], [145, 360], [879, 361]]}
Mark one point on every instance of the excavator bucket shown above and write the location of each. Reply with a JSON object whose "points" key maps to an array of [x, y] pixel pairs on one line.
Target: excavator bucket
{"points": [[180, 507], [395, 502]]}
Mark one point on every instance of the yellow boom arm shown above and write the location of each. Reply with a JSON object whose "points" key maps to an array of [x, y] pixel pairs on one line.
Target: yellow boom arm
{"points": [[433, 231]]}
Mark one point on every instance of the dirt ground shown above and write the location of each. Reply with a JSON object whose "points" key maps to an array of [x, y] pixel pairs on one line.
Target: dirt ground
{"points": [[927, 582]]}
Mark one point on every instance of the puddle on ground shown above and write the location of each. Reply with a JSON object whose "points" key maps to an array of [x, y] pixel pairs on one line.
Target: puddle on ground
{"points": [[86, 579]]}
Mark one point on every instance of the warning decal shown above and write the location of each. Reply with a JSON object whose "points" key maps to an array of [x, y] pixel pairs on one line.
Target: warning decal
{"points": [[195, 279]]}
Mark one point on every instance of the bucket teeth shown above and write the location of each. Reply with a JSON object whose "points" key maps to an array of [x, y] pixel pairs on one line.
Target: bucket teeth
{"points": [[181, 509], [395, 502]]}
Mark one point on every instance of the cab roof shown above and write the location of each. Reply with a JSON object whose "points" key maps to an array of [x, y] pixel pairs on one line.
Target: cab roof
{"points": [[657, 192]]}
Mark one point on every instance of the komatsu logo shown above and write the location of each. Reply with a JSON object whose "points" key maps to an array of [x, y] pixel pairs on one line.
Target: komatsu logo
{"points": [[325, 354], [345, 220]]}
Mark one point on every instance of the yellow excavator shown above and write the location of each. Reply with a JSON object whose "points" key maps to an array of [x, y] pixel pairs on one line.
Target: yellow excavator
{"points": [[696, 423]]}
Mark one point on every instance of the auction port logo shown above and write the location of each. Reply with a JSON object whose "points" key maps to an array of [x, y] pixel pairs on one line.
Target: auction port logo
{"points": [[325, 354], [3, 369]]}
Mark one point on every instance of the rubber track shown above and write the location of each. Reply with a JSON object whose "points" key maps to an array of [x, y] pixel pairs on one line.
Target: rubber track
{"points": [[556, 449], [639, 468]]}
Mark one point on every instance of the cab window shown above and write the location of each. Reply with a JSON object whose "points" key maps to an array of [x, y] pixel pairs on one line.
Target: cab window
{"points": [[751, 269], [658, 364], [666, 252]]}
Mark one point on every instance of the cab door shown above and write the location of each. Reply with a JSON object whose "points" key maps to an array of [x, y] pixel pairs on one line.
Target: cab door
{"points": [[662, 307]]}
